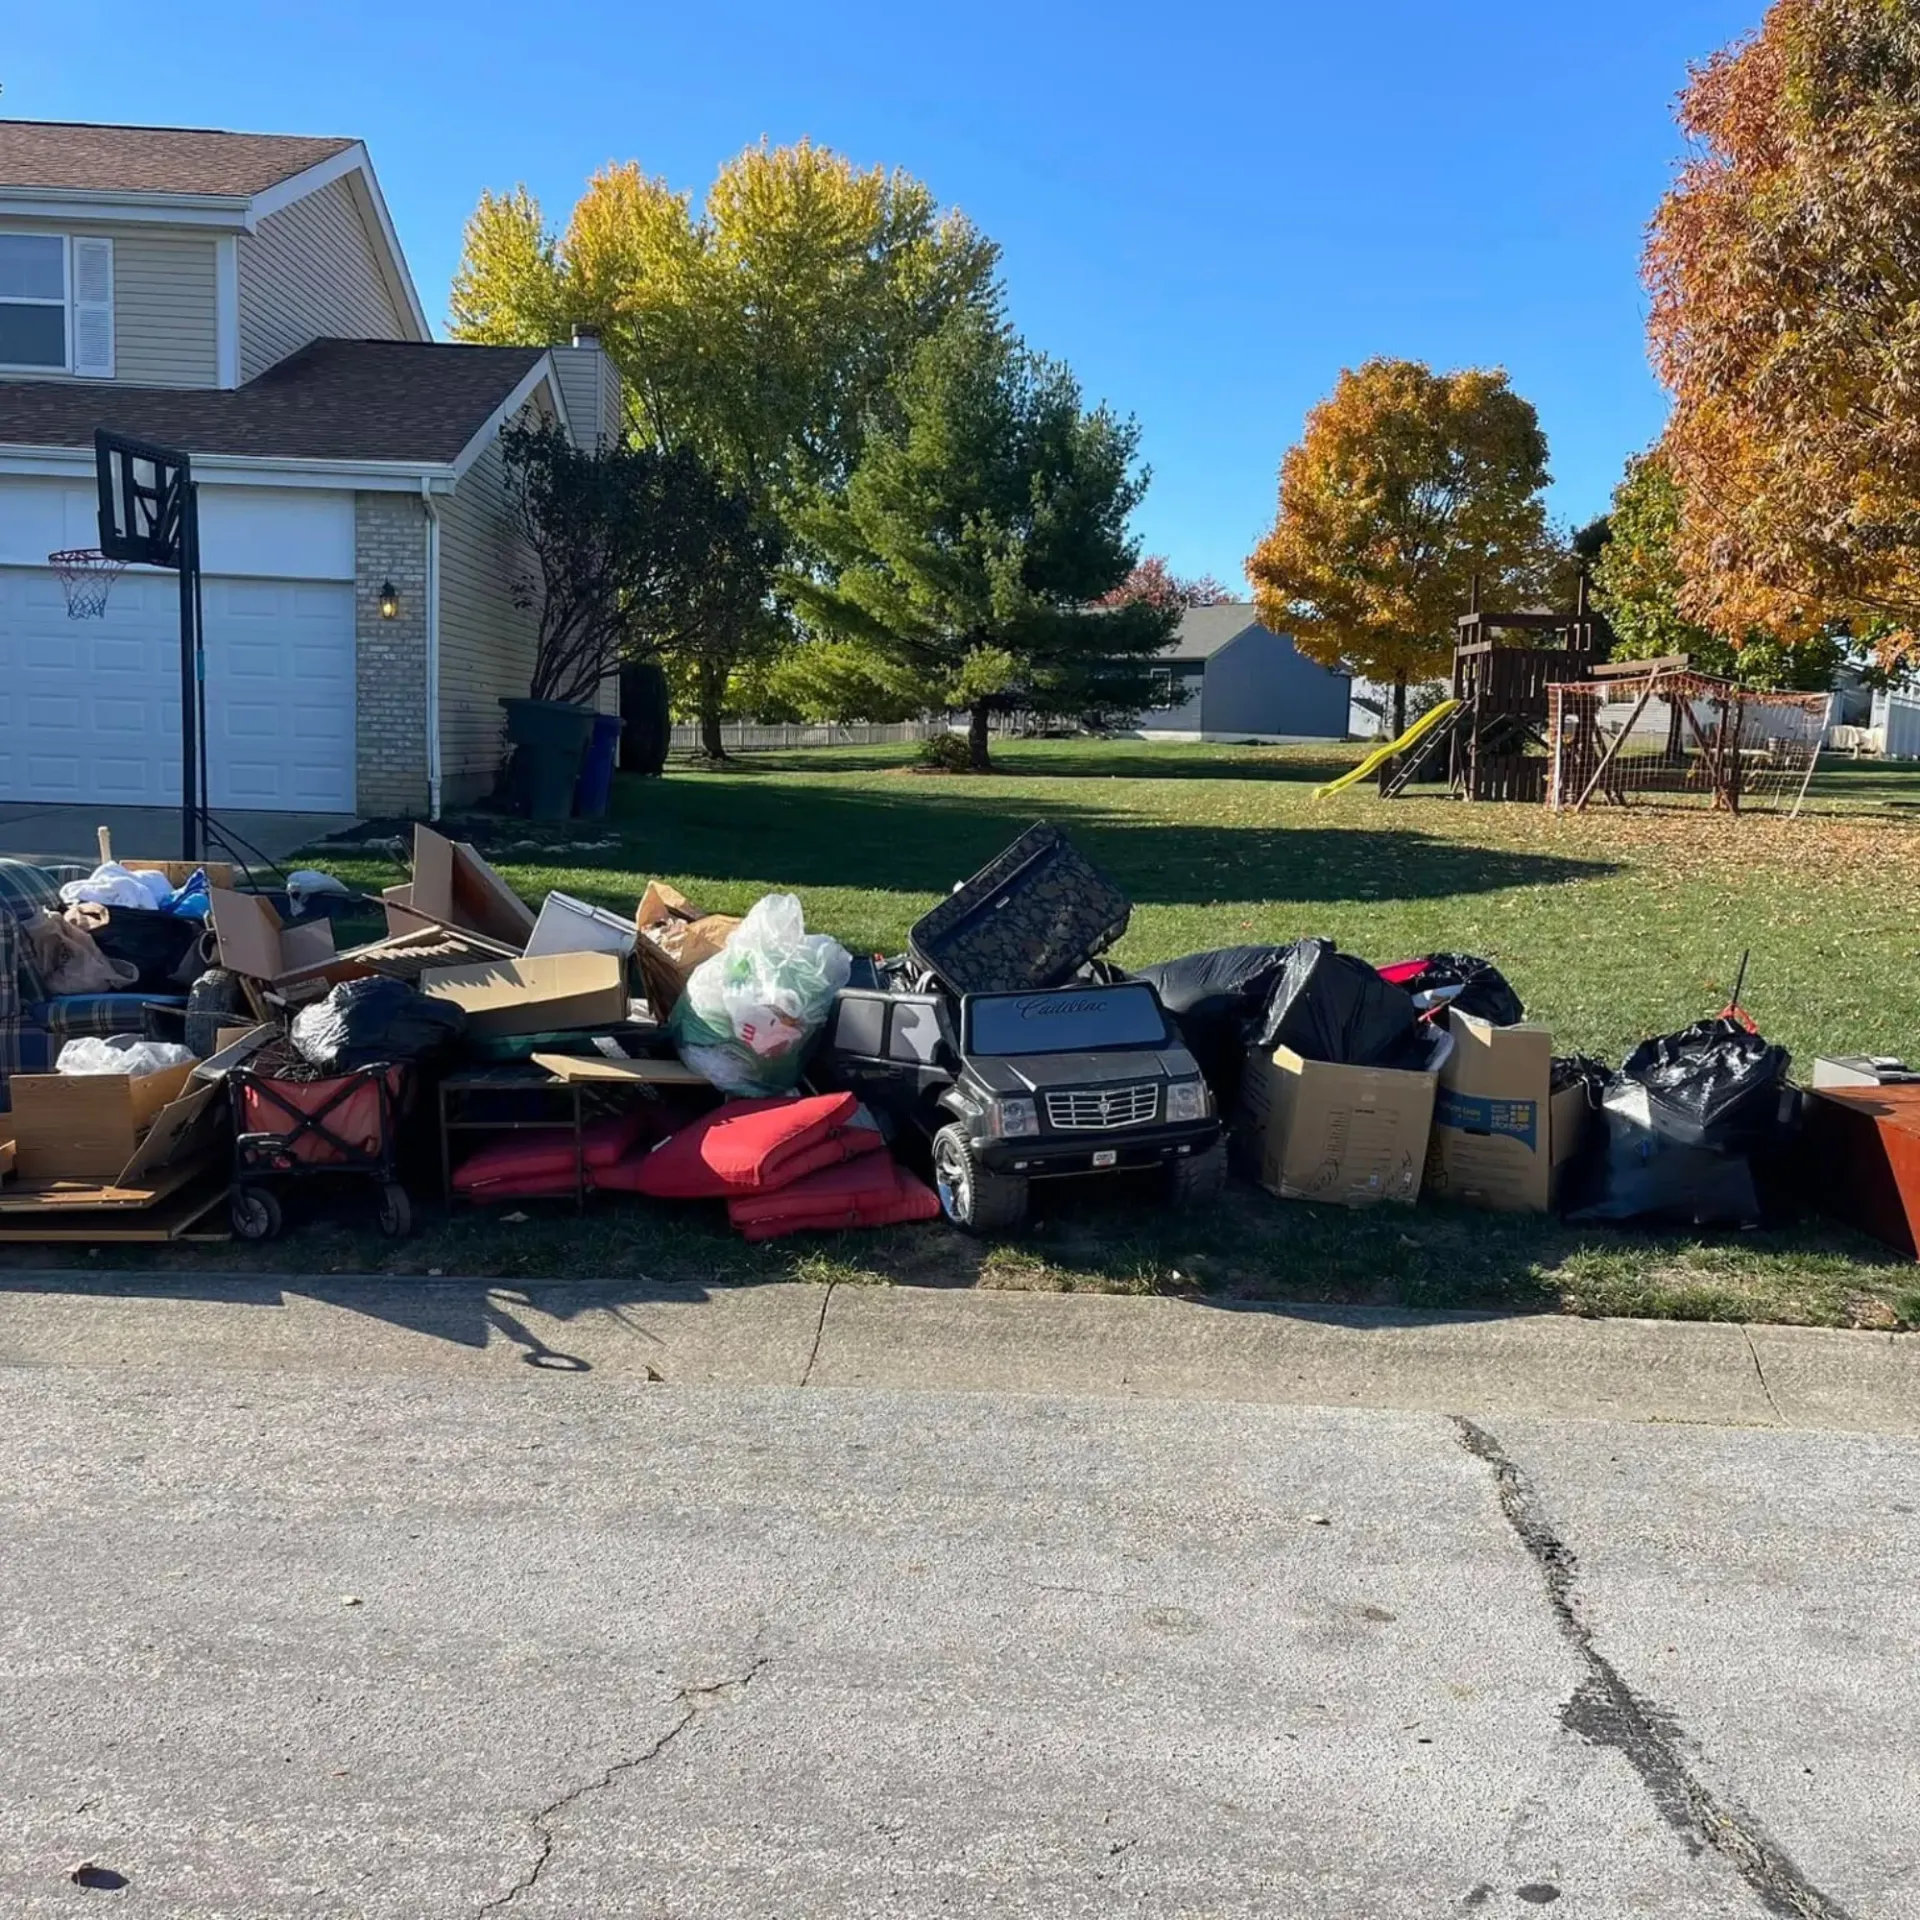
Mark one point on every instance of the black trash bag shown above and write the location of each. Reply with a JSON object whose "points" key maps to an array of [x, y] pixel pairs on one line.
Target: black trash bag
{"points": [[1484, 990], [1329, 1005], [371, 1023], [161, 947], [1216, 1002], [1687, 1116]]}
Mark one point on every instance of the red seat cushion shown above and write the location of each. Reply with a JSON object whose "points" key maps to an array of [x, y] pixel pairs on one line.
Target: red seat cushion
{"points": [[546, 1159], [872, 1192], [748, 1146]]}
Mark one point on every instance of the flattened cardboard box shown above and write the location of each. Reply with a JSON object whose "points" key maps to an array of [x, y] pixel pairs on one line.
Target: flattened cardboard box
{"points": [[1501, 1135], [543, 995], [455, 885], [1345, 1136]]}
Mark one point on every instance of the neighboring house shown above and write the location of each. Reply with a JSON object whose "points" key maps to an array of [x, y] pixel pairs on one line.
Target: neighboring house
{"points": [[1243, 682], [244, 297]]}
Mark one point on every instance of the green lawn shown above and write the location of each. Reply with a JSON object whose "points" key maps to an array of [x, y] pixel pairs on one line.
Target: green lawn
{"points": [[1611, 926]]}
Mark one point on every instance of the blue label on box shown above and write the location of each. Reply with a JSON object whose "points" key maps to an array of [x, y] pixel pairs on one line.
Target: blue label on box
{"points": [[1472, 1113]]}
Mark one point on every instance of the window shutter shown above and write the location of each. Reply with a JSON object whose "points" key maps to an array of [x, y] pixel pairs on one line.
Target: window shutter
{"points": [[93, 308]]}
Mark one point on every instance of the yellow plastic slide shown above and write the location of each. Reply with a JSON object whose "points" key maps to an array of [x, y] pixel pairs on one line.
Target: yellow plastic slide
{"points": [[1380, 755]]}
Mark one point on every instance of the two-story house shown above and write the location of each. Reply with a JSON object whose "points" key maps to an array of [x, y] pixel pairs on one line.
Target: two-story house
{"points": [[244, 297]]}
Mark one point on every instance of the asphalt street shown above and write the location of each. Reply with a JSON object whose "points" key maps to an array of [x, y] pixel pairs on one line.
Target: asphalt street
{"points": [[303, 1640]]}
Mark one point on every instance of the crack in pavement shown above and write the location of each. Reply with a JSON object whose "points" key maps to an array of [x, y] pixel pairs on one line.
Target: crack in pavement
{"points": [[1606, 1712], [1760, 1373], [694, 1701], [819, 1332]]}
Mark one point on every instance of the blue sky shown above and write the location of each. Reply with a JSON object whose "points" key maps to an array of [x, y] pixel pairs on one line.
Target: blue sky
{"points": [[1207, 209]]}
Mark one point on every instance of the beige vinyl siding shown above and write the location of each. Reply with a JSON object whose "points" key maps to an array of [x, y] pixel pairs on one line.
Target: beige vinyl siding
{"points": [[308, 272], [164, 305], [579, 376], [486, 642], [164, 312]]}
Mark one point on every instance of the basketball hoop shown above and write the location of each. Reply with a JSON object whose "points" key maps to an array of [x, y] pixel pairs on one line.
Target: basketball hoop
{"points": [[86, 576]]}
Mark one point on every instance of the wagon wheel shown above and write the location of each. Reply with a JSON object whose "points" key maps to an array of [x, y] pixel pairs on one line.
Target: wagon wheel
{"points": [[396, 1211], [256, 1213]]}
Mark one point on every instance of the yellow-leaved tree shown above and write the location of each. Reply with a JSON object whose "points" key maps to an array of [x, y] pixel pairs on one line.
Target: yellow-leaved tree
{"points": [[1405, 484], [763, 329]]}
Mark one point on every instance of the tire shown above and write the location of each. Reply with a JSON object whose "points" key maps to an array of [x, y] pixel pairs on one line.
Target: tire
{"points": [[256, 1213], [974, 1197], [1198, 1178], [396, 1211], [214, 1001]]}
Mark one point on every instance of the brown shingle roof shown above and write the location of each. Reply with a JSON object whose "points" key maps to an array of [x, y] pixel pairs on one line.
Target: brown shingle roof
{"points": [[50, 153], [402, 400]]}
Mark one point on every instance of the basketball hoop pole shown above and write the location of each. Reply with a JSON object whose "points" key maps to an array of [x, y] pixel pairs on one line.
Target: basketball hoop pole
{"points": [[189, 678]]}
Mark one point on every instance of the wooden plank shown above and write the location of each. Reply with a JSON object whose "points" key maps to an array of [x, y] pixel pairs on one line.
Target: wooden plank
{"points": [[180, 1219], [595, 1066], [68, 1196]]}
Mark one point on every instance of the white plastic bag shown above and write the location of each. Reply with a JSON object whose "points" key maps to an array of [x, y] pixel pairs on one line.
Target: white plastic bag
{"points": [[306, 884], [124, 1053], [113, 886], [748, 1012]]}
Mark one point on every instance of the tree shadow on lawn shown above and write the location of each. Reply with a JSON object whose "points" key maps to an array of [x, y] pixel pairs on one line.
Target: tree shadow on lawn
{"points": [[1060, 760], [788, 837]]}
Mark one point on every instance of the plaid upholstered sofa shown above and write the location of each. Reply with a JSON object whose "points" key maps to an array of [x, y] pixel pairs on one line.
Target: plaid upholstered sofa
{"points": [[34, 1025]]}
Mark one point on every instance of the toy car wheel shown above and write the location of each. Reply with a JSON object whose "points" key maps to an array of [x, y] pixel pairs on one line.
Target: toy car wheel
{"points": [[256, 1213], [1198, 1177], [975, 1197], [396, 1211], [215, 1000]]}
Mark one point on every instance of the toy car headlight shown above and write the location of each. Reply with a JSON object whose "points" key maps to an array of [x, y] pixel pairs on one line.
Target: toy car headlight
{"points": [[1188, 1100], [1014, 1119]]}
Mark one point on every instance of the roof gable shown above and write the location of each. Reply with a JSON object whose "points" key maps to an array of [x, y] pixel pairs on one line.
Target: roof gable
{"points": [[410, 403], [1204, 631], [73, 157]]}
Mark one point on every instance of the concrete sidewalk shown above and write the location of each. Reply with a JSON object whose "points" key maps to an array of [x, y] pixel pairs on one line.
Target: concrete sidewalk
{"points": [[912, 1339]]}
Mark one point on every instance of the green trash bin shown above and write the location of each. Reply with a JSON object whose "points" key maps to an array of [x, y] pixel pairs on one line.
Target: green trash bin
{"points": [[549, 738]]}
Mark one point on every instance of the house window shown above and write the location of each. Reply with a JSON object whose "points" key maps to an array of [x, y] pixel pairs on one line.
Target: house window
{"points": [[33, 301], [1162, 682]]}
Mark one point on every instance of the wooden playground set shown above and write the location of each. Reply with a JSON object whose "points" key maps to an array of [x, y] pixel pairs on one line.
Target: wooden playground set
{"points": [[1548, 718]]}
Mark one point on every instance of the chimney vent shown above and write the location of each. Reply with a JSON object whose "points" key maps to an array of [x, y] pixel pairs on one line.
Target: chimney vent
{"points": [[586, 336]]}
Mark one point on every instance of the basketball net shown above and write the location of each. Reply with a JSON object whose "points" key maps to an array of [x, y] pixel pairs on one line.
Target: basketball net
{"points": [[86, 576]]}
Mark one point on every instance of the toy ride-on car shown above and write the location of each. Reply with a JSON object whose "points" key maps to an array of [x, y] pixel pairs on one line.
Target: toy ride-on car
{"points": [[1015, 1087], [1003, 1038]]}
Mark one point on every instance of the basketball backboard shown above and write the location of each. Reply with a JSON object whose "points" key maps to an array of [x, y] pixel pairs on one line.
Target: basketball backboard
{"points": [[143, 492]]}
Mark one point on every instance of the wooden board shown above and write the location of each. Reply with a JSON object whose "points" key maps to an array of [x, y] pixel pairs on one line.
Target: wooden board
{"points": [[41, 1197], [646, 1073], [187, 1216]]}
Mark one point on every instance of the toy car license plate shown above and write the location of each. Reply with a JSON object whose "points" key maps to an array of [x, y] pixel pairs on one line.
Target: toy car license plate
{"points": [[1105, 1157]]}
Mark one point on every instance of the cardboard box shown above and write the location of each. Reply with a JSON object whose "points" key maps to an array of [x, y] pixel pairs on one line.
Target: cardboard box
{"points": [[256, 942], [1501, 1135], [94, 1126], [544, 995], [1346, 1136], [567, 925], [675, 936], [453, 884]]}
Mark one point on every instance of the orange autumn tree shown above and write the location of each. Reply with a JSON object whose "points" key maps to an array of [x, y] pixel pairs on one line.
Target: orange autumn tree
{"points": [[1785, 272], [1405, 484]]}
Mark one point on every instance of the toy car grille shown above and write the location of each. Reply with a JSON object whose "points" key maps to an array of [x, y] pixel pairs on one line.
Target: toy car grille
{"points": [[1095, 1112]]}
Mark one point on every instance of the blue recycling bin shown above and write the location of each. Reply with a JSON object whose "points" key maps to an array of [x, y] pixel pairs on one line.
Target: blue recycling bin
{"points": [[595, 786]]}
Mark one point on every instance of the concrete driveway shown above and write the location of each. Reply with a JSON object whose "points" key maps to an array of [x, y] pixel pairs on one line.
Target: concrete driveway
{"points": [[150, 833], [434, 1630]]}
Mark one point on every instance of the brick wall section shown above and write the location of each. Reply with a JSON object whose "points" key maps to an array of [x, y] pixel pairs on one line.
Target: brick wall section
{"points": [[390, 543]]}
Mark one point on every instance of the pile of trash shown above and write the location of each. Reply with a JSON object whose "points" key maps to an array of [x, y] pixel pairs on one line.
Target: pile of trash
{"points": [[686, 1056]]}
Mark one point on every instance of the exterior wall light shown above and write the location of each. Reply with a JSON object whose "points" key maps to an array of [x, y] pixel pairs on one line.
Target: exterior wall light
{"points": [[389, 601]]}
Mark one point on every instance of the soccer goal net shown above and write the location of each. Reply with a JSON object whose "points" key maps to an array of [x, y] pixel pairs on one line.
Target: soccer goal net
{"points": [[1688, 736]]}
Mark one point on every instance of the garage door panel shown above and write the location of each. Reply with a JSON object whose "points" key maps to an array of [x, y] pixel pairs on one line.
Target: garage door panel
{"points": [[90, 709]]}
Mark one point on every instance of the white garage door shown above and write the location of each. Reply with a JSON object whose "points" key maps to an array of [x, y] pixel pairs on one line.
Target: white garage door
{"points": [[90, 709]]}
